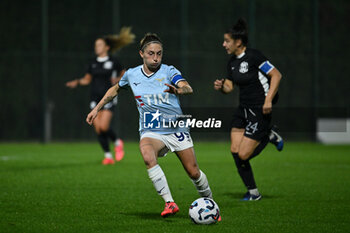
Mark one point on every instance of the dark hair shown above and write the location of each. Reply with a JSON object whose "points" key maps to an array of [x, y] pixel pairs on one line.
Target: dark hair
{"points": [[239, 31], [149, 38], [116, 42]]}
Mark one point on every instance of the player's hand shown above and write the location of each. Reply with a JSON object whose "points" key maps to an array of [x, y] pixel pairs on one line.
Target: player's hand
{"points": [[72, 84], [91, 116], [267, 107], [218, 84], [172, 89]]}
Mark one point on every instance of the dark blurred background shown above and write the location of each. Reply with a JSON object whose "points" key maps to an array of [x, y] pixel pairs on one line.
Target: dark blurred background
{"points": [[46, 43]]}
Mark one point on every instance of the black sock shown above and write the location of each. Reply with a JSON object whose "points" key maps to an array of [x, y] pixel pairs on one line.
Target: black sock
{"points": [[245, 171], [103, 139], [260, 147], [112, 135]]}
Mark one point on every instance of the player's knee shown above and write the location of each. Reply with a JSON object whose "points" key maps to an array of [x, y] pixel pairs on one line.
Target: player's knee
{"points": [[103, 128], [150, 163], [244, 155], [148, 156], [148, 159], [194, 173], [234, 148], [97, 130]]}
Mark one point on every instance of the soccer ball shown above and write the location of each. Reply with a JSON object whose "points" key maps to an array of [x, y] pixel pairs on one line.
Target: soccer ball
{"points": [[204, 210]]}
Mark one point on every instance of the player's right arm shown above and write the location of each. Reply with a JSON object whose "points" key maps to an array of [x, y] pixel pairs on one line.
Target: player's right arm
{"points": [[86, 80], [223, 85], [108, 97]]}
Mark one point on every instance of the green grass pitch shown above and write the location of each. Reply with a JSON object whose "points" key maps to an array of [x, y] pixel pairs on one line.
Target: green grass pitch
{"points": [[63, 187]]}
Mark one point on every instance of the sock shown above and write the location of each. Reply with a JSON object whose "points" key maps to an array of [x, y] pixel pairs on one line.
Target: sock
{"points": [[103, 139], [264, 141], [202, 186], [117, 142], [245, 171], [254, 192], [111, 134], [160, 183], [108, 155]]}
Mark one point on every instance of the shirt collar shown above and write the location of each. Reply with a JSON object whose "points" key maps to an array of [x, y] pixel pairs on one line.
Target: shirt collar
{"points": [[241, 55], [102, 59]]}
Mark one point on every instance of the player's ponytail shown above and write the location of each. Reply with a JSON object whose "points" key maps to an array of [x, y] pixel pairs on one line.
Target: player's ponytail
{"points": [[116, 42], [239, 31], [148, 39]]}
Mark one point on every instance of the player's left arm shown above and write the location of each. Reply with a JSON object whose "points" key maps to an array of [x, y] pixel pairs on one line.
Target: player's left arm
{"points": [[275, 76], [181, 88]]}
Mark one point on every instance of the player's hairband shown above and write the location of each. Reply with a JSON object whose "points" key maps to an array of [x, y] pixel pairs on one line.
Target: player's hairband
{"points": [[153, 41]]}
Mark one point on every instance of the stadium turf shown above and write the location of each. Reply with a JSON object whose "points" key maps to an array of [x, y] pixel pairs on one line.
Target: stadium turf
{"points": [[64, 188]]}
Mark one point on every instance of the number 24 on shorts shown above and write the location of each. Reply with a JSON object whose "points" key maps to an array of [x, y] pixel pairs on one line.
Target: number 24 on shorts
{"points": [[252, 127]]}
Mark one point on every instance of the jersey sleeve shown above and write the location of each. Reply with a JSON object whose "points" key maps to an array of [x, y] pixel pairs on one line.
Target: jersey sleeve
{"points": [[117, 68], [124, 81], [175, 75], [262, 62]]}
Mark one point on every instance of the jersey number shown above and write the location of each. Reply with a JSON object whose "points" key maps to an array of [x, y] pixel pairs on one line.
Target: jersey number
{"points": [[252, 127], [181, 136]]}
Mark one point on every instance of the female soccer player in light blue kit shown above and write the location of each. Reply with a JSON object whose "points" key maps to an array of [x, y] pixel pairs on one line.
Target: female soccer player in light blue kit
{"points": [[156, 87]]}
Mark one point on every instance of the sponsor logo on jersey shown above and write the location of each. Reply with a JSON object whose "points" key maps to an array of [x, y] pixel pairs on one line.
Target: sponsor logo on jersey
{"points": [[152, 99], [243, 68], [160, 80], [156, 120], [108, 65], [152, 120]]}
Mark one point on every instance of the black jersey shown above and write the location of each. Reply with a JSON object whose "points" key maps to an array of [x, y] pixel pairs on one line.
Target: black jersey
{"points": [[101, 70], [249, 72]]}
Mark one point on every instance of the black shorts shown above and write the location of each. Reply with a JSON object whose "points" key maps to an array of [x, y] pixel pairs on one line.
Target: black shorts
{"points": [[256, 124], [108, 106]]}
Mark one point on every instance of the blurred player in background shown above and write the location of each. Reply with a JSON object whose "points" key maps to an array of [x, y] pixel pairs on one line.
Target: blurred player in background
{"points": [[102, 73], [156, 88], [258, 82]]}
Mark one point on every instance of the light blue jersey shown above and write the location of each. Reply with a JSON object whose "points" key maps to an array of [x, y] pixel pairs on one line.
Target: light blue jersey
{"points": [[158, 109]]}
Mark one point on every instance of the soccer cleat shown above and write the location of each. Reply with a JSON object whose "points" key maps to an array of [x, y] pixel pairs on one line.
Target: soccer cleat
{"points": [[219, 220], [119, 150], [277, 140], [107, 161], [251, 197], [170, 209]]}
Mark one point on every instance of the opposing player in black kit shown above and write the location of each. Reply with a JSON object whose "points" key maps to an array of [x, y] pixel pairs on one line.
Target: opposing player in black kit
{"points": [[103, 72], [258, 82]]}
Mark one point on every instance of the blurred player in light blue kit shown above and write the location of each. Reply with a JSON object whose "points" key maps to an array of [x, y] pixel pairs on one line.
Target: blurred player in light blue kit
{"points": [[156, 87]]}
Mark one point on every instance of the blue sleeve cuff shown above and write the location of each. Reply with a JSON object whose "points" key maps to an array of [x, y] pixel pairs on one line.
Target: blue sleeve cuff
{"points": [[177, 78]]}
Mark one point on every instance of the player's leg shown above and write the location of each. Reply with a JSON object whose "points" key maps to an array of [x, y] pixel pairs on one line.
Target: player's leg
{"points": [[102, 137], [238, 124], [256, 134], [199, 179], [253, 142], [243, 166], [275, 138], [118, 143], [247, 148], [150, 147], [106, 118]]}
